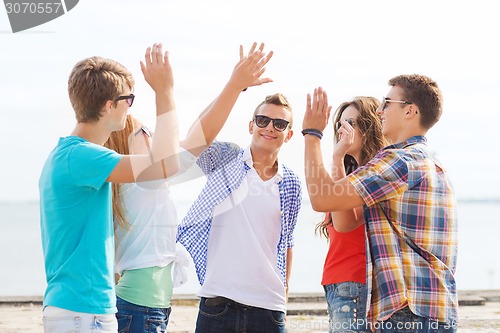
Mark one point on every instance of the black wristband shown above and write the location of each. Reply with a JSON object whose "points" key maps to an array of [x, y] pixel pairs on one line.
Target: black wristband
{"points": [[313, 131]]}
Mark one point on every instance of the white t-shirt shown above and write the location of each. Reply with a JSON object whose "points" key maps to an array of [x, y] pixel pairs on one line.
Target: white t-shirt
{"points": [[150, 240], [242, 248]]}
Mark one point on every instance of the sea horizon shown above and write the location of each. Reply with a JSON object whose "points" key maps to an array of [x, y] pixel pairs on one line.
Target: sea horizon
{"points": [[23, 269]]}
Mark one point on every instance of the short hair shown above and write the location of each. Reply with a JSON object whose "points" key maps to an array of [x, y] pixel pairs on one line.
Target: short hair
{"points": [[423, 92], [279, 100], [93, 82]]}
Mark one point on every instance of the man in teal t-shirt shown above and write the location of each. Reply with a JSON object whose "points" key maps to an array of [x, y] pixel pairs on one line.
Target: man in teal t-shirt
{"points": [[75, 193], [77, 236]]}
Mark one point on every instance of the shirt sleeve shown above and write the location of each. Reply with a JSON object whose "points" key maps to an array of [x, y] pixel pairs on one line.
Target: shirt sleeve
{"points": [[294, 211], [218, 154], [382, 178], [90, 164]]}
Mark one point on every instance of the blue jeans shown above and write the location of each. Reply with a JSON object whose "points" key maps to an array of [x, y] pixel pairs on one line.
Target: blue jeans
{"points": [[405, 321], [234, 318], [136, 318], [346, 307], [57, 320]]}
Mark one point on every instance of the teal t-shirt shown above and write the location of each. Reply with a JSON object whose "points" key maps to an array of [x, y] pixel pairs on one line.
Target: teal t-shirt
{"points": [[77, 226]]}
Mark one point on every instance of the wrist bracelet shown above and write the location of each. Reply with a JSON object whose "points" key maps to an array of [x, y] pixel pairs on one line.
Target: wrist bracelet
{"points": [[313, 131]]}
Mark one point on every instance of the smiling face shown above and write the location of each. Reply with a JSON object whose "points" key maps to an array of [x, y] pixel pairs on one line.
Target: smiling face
{"points": [[392, 115], [268, 139]]}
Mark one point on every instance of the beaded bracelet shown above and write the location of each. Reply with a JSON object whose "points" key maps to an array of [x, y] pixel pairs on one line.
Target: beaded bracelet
{"points": [[313, 131]]}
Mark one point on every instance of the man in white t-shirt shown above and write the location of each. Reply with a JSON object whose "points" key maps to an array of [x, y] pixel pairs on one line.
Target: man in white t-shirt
{"points": [[239, 230]]}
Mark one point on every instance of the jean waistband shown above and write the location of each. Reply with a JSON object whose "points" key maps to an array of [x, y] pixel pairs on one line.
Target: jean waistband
{"points": [[219, 300]]}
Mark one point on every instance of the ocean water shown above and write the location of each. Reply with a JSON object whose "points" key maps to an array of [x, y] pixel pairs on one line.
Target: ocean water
{"points": [[22, 271]]}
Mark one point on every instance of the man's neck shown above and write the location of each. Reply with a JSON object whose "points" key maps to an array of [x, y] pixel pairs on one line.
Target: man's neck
{"points": [[92, 132], [264, 163], [409, 133]]}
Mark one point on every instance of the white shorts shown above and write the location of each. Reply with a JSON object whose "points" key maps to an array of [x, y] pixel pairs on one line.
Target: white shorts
{"points": [[57, 320]]}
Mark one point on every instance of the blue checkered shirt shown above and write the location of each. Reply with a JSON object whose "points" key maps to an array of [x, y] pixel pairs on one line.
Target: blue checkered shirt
{"points": [[225, 169]]}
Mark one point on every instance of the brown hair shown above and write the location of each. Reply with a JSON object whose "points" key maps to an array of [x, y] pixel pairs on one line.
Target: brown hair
{"points": [[118, 141], [279, 100], [423, 92], [93, 82], [370, 127]]}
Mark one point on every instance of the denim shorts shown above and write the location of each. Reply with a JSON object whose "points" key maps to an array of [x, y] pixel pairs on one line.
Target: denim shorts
{"points": [[346, 307], [56, 320], [227, 317], [136, 318]]}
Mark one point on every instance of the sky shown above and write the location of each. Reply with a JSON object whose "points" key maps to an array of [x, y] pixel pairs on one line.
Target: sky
{"points": [[349, 48]]}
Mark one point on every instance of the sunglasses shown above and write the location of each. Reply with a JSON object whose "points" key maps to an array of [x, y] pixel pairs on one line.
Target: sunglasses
{"points": [[387, 100], [279, 124], [128, 98], [350, 121]]}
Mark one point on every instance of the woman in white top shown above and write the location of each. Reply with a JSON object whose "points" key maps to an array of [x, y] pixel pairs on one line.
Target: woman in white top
{"points": [[145, 217]]}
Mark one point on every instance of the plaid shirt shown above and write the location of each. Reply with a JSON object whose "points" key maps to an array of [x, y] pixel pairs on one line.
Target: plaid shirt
{"points": [[403, 183], [225, 169]]}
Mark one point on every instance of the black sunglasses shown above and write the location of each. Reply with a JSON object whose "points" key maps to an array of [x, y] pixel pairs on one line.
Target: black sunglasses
{"points": [[338, 124], [128, 98], [279, 124], [388, 100]]}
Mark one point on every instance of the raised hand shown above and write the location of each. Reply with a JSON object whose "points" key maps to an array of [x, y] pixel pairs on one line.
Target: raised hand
{"points": [[345, 139], [157, 70], [317, 110], [249, 69]]}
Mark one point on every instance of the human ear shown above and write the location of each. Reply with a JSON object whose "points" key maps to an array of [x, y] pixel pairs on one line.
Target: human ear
{"points": [[289, 135], [108, 106]]}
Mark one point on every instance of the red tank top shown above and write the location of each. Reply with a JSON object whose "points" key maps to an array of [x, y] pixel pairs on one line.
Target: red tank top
{"points": [[346, 258]]}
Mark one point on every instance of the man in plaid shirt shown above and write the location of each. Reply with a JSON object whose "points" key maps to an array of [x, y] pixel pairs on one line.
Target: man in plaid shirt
{"points": [[409, 210]]}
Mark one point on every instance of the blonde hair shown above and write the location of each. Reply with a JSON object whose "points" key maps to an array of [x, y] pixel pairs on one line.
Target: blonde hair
{"points": [[370, 127], [278, 100], [118, 141]]}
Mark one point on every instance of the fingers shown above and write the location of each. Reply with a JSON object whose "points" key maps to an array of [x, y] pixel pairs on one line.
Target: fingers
{"points": [[165, 58], [143, 68], [159, 53], [261, 47], [252, 49], [147, 56], [308, 103], [155, 55], [241, 52], [318, 103]]}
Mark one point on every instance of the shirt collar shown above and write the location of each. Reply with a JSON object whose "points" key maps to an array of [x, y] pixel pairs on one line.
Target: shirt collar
{"points": [[411, 141], [247, 158]]}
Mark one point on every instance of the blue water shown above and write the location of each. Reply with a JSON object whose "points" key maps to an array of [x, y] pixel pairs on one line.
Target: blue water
{"points": [[22, 271]]}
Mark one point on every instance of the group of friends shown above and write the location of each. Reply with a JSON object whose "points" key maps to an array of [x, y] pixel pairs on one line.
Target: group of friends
{"points": [[111, 235]]}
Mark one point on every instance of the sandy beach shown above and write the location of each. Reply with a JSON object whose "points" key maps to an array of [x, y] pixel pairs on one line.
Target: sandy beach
{"points": [[479, 312]]}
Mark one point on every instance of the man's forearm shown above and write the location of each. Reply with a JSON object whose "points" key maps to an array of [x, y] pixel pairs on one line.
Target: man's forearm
{"points": [[206, 128]]}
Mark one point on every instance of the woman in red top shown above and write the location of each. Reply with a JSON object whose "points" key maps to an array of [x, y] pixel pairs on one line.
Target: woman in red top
{"points": [[358, 137]]}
